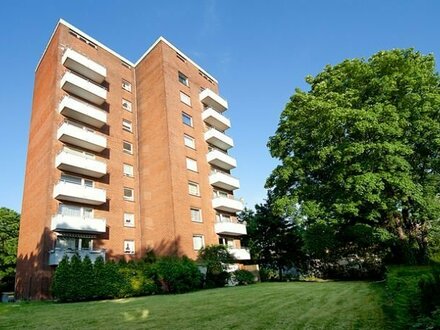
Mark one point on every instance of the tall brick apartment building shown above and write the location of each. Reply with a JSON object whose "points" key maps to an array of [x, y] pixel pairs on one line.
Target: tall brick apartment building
{"points": [[123, 157]]}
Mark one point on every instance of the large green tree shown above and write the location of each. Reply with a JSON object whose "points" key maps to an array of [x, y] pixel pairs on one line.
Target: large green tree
{"points": [[9, 225], [362, 146]]}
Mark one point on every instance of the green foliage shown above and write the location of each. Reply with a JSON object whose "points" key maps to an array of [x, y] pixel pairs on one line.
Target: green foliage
{"points": [[76, 283], [243, 277], [361, 147], [216, 259], [9, 227], [62, 281], [402, 295], [178, 275], [79, 280], [429, 286], [275, 241], [135, 280]]}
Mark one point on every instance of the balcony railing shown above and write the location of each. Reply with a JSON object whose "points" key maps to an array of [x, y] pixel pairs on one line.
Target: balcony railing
{"points": [[218, 139], [56, 255], [83, 65], [227, 204], [224, 180], [240, 254], [216, 119], [82, 111], [83, 137], [69, 223], [83, 87], [220, 159], [213, 100], [72, 192], [76, 163]]}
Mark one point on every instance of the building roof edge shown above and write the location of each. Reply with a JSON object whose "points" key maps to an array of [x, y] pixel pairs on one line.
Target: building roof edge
{"points": [[70, 26], [161, 38]]}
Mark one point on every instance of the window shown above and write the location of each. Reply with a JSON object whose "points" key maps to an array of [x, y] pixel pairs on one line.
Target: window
{"points": [[198, 242], [126, 85], [127, 147], [223, 217], [68, 210], [126, 105], [196, 215], [127, 125], [78, 152], [183, 79], [193, 189], [63, 243], [185, 98], [187, 119], [229, 242], [219, 193], [128, 194], [66, 178], [189, 141], [129, 247], [128, 219], [191, 164], [128, 170]]}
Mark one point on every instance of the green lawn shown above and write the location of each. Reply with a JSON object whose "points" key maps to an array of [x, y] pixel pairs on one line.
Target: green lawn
{"points": [[294, 305]]}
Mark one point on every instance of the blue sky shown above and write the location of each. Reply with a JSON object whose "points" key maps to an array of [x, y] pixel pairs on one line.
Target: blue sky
{"points": [[259, 51]]}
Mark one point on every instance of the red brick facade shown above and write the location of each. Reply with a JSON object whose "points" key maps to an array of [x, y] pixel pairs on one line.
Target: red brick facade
{"points": [[161, 205]]}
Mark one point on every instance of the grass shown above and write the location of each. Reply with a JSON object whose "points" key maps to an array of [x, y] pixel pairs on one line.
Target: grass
{"points": [[294, 305], [400, 295]]}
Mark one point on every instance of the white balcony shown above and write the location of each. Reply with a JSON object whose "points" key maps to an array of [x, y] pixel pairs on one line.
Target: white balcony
{"points": [[55, 256], [220, 159], [224, 180], [230, 228], [218, 139], [216, 119], [71, 162], [65, 223], [81, 137], [83, 65], [240, 254], [213, 100], [72, 192], [227, 204], [74, 108], [86, 89]]}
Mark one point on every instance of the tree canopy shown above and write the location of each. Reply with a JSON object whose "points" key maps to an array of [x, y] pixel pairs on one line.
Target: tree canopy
{"points": [[362, 147], [9, 225]]}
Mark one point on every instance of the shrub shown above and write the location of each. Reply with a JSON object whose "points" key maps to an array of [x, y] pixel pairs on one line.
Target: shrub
{"points": [[268, 274], [178, 275], [61, 280], [429, 286], [243, 277], [216, 258], [135, 281]]}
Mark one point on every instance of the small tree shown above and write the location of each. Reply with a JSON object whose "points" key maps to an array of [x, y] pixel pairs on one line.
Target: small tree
{"points": [[76, 280], [216, 259], [88, 283], [62, 281], [9, 226], [275, 241]]}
